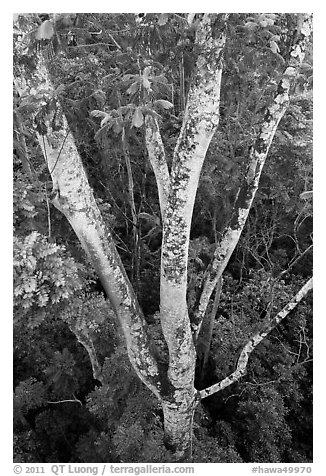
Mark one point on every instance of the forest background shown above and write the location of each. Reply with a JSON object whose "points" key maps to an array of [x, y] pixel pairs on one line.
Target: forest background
{"points": [[317, 213]]}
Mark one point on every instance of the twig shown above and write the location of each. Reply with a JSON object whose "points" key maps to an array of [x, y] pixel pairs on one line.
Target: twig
{"points": [[49, 212], [114, 41], [293, 263], [255, 340], [75, 400], [63, 143]]}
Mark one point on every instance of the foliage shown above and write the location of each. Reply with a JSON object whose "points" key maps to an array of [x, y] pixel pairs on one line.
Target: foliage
{"points": [[29, 394], [109, 70], [209, 451], [43, 273], [255, 415]]}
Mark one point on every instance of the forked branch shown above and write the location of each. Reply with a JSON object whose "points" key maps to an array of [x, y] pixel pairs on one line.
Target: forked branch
{"points": [[256, 160], [156, 155], [255, 340]]}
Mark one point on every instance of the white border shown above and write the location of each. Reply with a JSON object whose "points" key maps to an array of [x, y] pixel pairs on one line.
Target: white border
{"points": [[318, 8]]}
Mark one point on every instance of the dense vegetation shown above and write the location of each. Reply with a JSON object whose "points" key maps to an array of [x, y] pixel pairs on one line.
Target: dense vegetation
{"points": [[61, 412]]}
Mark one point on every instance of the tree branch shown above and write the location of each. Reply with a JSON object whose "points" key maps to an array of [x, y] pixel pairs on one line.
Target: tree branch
{"points": [[135, 227], [199, 124], [85, 340], [256, 161], [75, 400], [156, 155], [295, 261], [255, 340], [74, 198], [203, 101]]}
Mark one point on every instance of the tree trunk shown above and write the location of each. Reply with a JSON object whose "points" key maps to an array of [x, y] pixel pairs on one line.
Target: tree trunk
{"points": [[201, 118], [174, 385], [178, 421], [256, 160], [73, 196]]}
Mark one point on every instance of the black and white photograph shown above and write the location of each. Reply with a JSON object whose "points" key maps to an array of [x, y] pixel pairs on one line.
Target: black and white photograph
{"points": [[162, 241]]}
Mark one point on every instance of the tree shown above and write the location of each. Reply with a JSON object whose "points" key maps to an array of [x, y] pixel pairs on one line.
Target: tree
{"points": [[169, 376]]}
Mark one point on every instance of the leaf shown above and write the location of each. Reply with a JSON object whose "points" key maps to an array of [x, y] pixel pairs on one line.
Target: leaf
{"points": [[97, 113], [128, 77], [105, 119], [306, 195], [274, 46], [165, 104], [133, 88], [60, 89], [150, 218], [99, 97], [271, 16], [306, 67], [146, 84], [138, 118], [146, 72], [45, 31], [117, 126], [21, 85], [124, 109], [104, 115], [251, 25], [163, 19], [287, 135], [153, 113], [160, 79]]}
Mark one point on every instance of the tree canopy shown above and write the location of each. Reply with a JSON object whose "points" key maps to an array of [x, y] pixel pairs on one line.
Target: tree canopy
{"points": [[162, 171]]}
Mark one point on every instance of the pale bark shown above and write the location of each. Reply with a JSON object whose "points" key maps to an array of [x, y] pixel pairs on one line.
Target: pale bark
{"points": [[200, 121], [74, 198], [86, 341], [190, 18], [182, 87], [177, 192], [266, 328], [156, 155], [256, 161], [178, 421]]}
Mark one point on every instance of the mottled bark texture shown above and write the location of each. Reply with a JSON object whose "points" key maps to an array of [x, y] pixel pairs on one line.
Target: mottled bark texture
{"points": [[73, 196], [256, 161], [200, 121], [84, 338], [266, 328], [156, 155], [174, 385]]}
